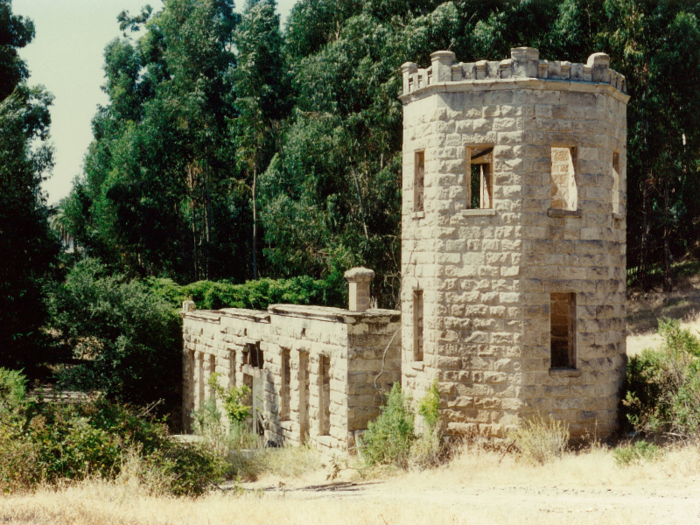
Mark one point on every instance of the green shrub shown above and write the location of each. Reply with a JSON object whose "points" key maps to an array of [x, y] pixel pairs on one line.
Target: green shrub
{"points": [[540, 440], [640, 451], [232, 399], [663, 386], [13, 388], [429, 406], [51, 442], [258, 294], [388, 439], [130, 336]]}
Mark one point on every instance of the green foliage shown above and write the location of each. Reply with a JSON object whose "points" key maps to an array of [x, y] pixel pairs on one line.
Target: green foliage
{"points": [[636, 453], [663, 386], [540, 440], [429, 406], [129, 336], [16, 33], [259, 294], [13, 389], [52, 442], [30, 249], [232, 399], [388, 438]]}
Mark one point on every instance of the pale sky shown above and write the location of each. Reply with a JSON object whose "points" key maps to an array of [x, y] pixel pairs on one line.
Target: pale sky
{"points": [[66, 56]]}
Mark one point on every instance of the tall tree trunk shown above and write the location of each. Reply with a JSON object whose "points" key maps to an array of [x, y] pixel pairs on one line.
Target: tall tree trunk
{"points": [[193, 221], [644, 244], [208, 226], [668, 282], [255, 224]]}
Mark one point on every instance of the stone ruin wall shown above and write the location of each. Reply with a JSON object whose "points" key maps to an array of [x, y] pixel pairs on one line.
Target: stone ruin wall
{"points": [[327, 413], [486, 276]]}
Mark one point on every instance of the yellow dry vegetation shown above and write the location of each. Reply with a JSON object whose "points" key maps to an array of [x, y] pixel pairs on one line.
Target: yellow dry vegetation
{"points": [[478, 487]]}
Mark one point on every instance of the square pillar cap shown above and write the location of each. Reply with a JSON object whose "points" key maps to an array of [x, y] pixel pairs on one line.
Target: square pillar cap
{"points": [[359, 275], [598, 59]]}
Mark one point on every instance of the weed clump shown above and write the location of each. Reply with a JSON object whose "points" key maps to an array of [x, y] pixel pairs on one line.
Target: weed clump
{"points": [[640, 451], [539, 440]]}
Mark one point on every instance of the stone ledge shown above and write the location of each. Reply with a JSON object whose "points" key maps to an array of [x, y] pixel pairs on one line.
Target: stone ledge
{"points": [[617, 216], [208, 316], [564, 372], [418, 365], [485, 212], [418, 215], [552, 212]]}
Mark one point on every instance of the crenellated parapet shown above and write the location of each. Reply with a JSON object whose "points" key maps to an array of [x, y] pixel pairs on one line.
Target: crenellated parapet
{"points": [[524, 64]]}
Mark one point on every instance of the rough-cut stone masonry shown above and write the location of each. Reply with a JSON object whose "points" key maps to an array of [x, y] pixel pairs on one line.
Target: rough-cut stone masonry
{"points": [[312, 369], [552, 138]]}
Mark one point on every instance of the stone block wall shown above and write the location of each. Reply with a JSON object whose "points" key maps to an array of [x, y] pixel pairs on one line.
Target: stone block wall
{"points": [[312, 369], [486, 275]]}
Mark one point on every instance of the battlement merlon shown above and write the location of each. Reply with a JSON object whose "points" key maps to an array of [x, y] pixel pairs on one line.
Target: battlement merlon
{"points": [[523, 68]]}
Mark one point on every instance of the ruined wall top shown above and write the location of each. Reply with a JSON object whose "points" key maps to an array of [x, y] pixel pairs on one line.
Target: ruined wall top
{"points": [[524, 64]]}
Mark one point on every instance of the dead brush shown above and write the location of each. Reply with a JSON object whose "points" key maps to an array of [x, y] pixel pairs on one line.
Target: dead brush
{"points": [[539, 440]]}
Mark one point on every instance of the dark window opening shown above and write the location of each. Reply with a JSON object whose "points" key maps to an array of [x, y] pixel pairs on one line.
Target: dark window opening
{"points": [[563, 330], [304, 396], [418, 324], [616, 183], [286, 375], [479, 177], [419, 181], [325, 395], [254, 357]]}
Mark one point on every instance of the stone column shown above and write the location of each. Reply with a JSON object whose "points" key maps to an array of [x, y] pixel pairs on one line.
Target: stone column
{"points": [[359, 279]]}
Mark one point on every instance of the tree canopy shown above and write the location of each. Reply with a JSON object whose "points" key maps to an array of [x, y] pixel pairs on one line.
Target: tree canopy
{"points": [[232, 149]]}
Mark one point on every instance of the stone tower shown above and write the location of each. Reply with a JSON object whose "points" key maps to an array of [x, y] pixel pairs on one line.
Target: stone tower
{"points": [[513, 243]]}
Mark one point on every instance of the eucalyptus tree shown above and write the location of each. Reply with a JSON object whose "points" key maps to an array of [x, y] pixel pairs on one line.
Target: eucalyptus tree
{"points": [[29, 247], [261, 86]]}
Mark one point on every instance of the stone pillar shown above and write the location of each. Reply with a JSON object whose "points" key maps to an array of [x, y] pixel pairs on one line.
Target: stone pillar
{"points": [[600, 66], [525, 61], [188, 306], [359, 279], [442, 65]]}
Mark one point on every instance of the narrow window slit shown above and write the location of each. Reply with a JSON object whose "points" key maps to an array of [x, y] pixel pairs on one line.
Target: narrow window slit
{"points": [[479, 177], [563, 330]]}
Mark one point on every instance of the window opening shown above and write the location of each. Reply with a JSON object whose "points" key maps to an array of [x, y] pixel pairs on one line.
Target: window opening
{"points": [[192, 378], [616, 182], [286, 375], [200, 380], [563, 330], [479, 177], [418, 325], [419, 181], [303, 396], [564, 192], [255, 357], [212, 370], [325, 395]]}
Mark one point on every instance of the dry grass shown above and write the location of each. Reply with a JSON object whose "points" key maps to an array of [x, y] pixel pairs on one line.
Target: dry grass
{"points": [[478, 486]]}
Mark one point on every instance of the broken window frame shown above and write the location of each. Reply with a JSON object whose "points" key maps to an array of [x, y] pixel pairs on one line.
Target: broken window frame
{"points": [[479, 155]]}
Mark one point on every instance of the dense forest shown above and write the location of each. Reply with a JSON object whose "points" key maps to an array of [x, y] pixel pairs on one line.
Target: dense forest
{"points": [[233, 150]]}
